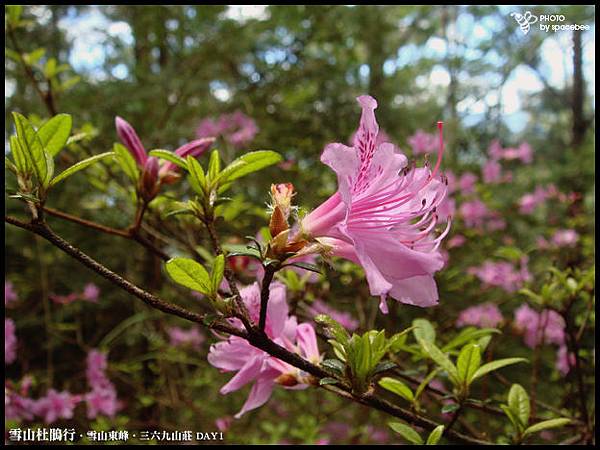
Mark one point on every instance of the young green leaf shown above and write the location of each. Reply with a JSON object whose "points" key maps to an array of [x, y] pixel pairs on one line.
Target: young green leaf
{"points": [[495, 365], [217, 272], [79, 166], [468, 334], [214, 166], [468, 362], [32, 146], [55, 133], [406, 432], [423, 329], [197, 177], [328, 380], [336, 330], [435, 435], [169, 156], [518, 402], [248, 163], [440, 358], [546, 424], [21, 158], [190, 274], [127, 162], [397, 387], [425, 382], [512, 417]]}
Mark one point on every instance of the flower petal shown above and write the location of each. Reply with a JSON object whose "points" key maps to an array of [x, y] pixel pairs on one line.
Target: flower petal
{"points": [[131, 140]]}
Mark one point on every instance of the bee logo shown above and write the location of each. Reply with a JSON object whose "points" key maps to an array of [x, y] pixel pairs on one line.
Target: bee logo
{"points": [[524, 20]]}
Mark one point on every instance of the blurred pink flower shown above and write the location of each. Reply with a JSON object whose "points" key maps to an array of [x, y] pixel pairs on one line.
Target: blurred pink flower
{"points": [[495, 150], [421, 142], [523, 152], [467, 182], [102, 399], [474, 213], [529, 202], [565, 238], [223, 423], [547, 326], [182, 337], [501, 274], [90, 293], [10, 342], [564, 360], [486, 315], [344, 318], [380, 218], [10, 295], [56, 405], [457, 240], [64, 299], [492, 172], [17, 406], [237, 128], [254, 365]]}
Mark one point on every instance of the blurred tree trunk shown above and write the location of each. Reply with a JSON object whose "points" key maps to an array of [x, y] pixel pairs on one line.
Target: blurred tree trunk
{"points": [[580, 123]]}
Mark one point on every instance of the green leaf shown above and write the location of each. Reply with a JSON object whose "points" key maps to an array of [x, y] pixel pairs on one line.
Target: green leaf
{"points": [[248, 163], [169, 156], [397, 387], [217, 272], [450, 408], [423, 329], [214, 166], [468, 334], [79, 166], [198, 179], [512, 417], [127, 162], [32, 146], [435, 435], [334, 364], [337, 331], [440, 358], [190, 274], [495, 365], [468, 362], [425, 382], [305, 266], [383, 366], [546, 424], [21, 158], [518, 402], [328, 380], [55, 133], [406, 432]]}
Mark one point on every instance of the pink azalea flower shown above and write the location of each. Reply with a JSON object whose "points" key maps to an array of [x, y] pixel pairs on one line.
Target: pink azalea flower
{"points": [[10, 295], [64, 299], [529, 202], [17, 406], [167, 173], [492, 172], [254, 365], [223, 423], [467, 182], [451, 181], [564, 360], [457, 241], [486, 315], [474, 213], [90, 293], [237, 128], [565, 238], [523, 152], [56, 405], [547, 326], [102, 399], [501, 274], [382, 137], [495, 150], [10, 342], [181, 337], [345, 319], [422, 142], [382, 216]]}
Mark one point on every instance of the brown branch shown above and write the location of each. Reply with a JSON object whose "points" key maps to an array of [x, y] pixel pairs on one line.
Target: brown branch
{"points": [[131, 233], [264, 295], [254, 336]]}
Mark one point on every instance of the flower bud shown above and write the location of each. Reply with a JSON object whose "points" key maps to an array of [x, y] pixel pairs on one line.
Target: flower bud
{"points": [[282, 197], [149, 184]]}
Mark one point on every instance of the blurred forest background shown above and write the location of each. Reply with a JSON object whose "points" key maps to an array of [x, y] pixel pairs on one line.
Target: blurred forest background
{"points": [[296, 72]]}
